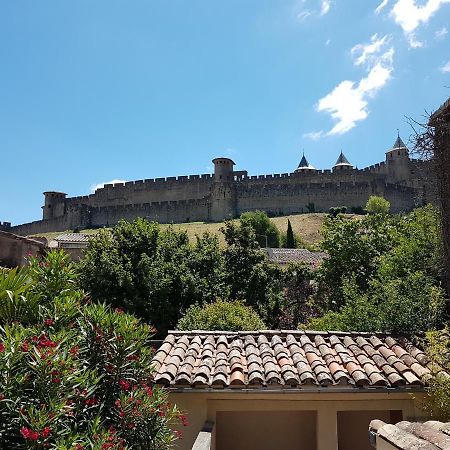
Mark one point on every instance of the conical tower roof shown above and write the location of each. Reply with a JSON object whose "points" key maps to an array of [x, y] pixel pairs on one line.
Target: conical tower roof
{"points": [[304, 164], [398, 143], [342, 161]]}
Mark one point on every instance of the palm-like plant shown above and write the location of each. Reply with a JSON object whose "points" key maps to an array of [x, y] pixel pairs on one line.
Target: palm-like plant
{"points": [[17, 303]]}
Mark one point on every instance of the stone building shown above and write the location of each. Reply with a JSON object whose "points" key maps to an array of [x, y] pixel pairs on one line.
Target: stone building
{"points": [[227, 193]]}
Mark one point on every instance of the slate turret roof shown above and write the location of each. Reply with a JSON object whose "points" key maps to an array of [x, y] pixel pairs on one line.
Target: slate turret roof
{"points": [[304, 164], [398, 144], [288, 359], [342, 161]]}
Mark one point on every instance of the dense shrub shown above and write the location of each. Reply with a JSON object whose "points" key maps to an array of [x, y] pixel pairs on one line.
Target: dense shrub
{"points": [[377, 205], [266, 232], [77, 375], [221, 315]]}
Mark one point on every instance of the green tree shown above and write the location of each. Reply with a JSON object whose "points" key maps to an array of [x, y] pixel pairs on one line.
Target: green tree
{"points": [[266, 232], [290, 238], [377, 205], [221, 315], [153, 273], [353, 247], [248, 274]]}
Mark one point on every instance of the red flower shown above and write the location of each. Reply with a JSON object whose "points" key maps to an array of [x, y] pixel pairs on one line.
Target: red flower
{"points": [[2, 347], [46, 432], [29, 434], [118, 403], [48, 322], [124, 385], [91, 401], [2, 396], [56, 380], [133, 357], [25, 346], [107, 445], [74, 350], [149, 390], [179, 434], [78, 447], [183, 420], [119, 310]]}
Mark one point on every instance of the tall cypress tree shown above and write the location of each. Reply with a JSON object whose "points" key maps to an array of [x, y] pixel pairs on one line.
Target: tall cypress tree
{"points": [[290, 239]]}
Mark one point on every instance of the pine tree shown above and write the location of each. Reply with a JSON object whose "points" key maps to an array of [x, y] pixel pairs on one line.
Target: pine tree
{"points": [[290, 239]]}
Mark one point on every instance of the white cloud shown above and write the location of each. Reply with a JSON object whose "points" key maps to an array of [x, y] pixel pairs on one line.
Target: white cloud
{"points": [[440, 34], [314, 135], [94, 187], [325, 7], [381, 6], [367, 52], [328, 42], [410, 16], [347, 103], [446, 68]]}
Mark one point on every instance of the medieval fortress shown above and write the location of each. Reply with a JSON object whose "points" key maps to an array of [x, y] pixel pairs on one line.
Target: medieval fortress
{"points": [[228, 193]]}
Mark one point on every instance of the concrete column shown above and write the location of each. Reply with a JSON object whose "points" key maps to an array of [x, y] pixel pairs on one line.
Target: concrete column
{"points": [[327, 436]]}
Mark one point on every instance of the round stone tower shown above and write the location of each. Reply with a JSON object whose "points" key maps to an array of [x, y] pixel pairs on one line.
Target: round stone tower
{"points": [[223, 169], [54, 205], [223, 193], [397, 161]]}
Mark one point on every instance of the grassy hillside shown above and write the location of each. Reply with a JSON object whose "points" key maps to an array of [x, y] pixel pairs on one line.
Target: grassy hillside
{"points": [[305, 225]]}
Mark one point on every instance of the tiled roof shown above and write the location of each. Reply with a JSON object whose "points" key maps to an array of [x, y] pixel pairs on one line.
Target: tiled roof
{"points": [[409, 435], [443, 109], [288, 359], [291, 255], [72, 237]]}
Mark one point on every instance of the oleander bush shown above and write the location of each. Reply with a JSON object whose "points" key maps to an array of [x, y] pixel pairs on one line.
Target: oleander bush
{"points": [[76, 374]]}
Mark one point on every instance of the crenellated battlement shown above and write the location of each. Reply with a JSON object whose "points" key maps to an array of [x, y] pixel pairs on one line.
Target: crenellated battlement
{"points": [[227, 193]]}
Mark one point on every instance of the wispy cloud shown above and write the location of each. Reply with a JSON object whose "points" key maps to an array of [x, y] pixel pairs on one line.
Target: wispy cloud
{"points": [[410, 15], [381, 6], [325, 7], [328, 42], [302, 15], [440, 34], [348, 102], [312, 8], [446, 68], [94, 187], [314, 135], [368, 53]]}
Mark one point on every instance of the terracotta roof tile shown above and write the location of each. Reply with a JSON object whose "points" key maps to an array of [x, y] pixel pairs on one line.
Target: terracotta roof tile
{"points": [[288, 359], [431, 435]]}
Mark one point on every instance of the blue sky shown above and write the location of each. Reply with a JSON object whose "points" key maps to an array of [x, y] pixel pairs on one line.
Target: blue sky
{"points": [[97, 90]]}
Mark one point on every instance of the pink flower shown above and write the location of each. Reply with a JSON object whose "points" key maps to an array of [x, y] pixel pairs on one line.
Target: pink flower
{"points": [[48, 322]]}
